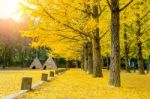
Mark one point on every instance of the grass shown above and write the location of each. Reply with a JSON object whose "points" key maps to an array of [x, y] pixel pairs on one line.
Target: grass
{"points": [[76, 84], [10, 80]]}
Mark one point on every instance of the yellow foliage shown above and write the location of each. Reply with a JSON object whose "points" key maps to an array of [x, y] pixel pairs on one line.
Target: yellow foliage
{"points": [[44, 30], [76, 84], [10, 81]]}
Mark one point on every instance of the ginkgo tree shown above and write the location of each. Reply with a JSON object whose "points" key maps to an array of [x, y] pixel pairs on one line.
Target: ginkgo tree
{"points": [[58, 14], [138, 31], [114, 5]]}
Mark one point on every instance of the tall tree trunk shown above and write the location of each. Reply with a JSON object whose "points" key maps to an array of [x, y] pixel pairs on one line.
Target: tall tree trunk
{"points": [[126, 49], [107, 62], [90, 58], [85, 57], [102, 61], [76, 64], [97, 68], [140, 59], [114, 79], [139, 46], [4, 54], [148, 65], [79, 64], [82, 59], [67, 64]]}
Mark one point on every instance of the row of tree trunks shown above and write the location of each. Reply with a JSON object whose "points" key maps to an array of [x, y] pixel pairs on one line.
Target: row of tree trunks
{"points": [[6, 56], [126, 49], [139, 46], [91, 50], [87, 60], [85, 56], [91, 59]]}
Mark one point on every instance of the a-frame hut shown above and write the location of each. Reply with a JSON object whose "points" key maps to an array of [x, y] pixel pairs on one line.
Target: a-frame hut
{"points": [[49, 64], [36, 64]]}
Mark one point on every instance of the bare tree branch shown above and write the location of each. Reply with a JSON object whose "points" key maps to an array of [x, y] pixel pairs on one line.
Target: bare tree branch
{"points": [[101, 11], [66, 37], [45, 29], [66, 25], [104, 34], [84, 11], [147, 40], [125, 6], [144, 31], [144, 15], [82, 34], [109, 5]]}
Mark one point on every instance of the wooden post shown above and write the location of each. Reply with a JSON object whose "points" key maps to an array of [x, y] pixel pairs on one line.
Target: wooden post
{"points": [[26, 83], [51, 73], [44, 77]]}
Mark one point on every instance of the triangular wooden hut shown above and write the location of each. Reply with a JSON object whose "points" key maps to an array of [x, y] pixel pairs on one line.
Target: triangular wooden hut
{"points": [[49, 64], [36, 64]]}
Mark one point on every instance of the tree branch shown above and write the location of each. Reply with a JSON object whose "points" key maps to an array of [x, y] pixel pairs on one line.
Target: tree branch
{"points": [[66, 25], [66, 37], [144, 15], [144, 31], [104, 34], [45, 29], [101, 11], [109, 4], [125, 6], [84, 11]]}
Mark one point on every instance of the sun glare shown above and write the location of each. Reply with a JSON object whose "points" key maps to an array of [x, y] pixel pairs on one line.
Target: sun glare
{"points": [[8, 9]]}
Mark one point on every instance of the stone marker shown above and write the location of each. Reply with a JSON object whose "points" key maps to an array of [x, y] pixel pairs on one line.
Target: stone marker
{"points": [[51, 73], [44, 77], [26, 83]]}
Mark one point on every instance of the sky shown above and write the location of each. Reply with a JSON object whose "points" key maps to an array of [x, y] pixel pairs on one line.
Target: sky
{"points": [[8, 9]]}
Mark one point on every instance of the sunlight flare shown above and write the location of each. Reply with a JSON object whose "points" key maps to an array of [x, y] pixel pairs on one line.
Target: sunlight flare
{"points": [[8, 9]]}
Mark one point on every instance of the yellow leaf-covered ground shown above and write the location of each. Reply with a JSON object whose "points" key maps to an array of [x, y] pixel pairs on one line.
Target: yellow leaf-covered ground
{"points": [[76, 84], [10, 80]]}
